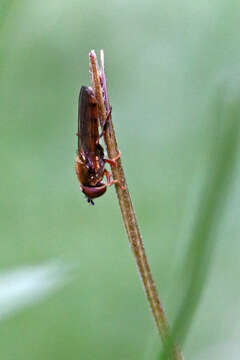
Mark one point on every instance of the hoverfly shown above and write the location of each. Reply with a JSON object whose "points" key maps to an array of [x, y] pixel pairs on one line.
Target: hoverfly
{"points": [[90, 161]]}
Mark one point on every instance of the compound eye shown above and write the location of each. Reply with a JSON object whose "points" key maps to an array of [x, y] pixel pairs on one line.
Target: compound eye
{"points": [[93, 192]]}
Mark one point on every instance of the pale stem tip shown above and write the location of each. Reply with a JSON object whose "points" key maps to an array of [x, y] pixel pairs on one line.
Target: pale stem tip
{"points": [[92, 53]]}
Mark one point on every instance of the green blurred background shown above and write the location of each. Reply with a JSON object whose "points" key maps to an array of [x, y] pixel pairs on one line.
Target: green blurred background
{"points": [[173, 70]]}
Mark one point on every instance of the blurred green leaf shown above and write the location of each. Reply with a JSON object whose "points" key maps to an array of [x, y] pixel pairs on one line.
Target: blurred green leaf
{"points": [[220, 173], [29, 284]]}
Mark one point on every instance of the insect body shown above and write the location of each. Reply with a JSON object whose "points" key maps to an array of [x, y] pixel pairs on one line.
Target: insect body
{"points": [[90, 162]]}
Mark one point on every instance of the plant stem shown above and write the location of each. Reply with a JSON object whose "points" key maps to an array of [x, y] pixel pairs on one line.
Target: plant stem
{"points": [[128, 215]]}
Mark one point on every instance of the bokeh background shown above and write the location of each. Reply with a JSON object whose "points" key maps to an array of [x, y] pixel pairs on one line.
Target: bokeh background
{"points": [[68, 283]]}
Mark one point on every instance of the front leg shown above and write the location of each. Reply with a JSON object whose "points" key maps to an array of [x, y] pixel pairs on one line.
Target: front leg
{"points": [[106, 123]]}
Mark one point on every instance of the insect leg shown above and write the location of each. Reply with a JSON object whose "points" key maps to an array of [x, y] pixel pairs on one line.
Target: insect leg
{"points": [[112, 162], [106, 123], [111, 182]]}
